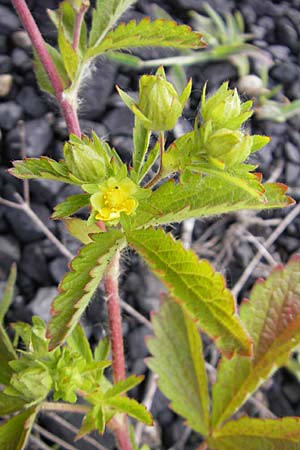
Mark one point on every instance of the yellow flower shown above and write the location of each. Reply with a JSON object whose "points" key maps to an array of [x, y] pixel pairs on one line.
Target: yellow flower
{"points": [[113, 198]]}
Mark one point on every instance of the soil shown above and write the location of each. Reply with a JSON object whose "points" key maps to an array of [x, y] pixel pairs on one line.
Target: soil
{"points": [[229, 242]]}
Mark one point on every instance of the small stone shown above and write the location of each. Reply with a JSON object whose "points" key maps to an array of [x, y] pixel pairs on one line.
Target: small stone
{"points": [[6, 81], [31, 102], [10, 113], [21, 39], [5, 64], [3, 44], [292, 152], [279, 52], [21, 60], [136, 342], [292, 172], [23, 226], [8, 21], [34, 265], [287, 34], [119, 122], [38, 134], [58, 268], [100, 83], [251, 85], [41, 304], [285, 72], [291, 390], [44, 190], [9, 253]]}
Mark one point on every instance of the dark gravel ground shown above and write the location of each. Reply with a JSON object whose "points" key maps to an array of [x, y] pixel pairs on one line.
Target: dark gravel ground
{"points": [[276, 26]]}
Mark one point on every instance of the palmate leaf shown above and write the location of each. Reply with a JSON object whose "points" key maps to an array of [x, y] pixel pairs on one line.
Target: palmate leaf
{"points": [[41, 168], [70, 205], [160, 32], [131, 407], [254, 434], [106, 14], [206, 197], [178, 361], [78, 286], [80, 229], [272, 317], [196, 286], [14, 432]]}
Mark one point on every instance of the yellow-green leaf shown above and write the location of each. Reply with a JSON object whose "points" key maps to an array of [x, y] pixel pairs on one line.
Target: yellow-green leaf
{"points": [[272, 317], [196, 286], [178, 361], [258, 434], [160, 32], [78, 286]]}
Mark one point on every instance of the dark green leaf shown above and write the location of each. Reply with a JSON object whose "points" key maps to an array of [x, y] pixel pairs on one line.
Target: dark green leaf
{"points": [[123, 386], [10, 404]]}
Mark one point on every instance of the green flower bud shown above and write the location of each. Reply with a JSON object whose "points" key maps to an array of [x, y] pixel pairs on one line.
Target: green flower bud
{"points": [[33, 383], [224, 109], [159, 105], [85, 160], [226, 148]]}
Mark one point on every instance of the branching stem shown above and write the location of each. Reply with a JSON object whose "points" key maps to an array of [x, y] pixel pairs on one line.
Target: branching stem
{"points": [[39, 46], [78, 24], [112, 273]]}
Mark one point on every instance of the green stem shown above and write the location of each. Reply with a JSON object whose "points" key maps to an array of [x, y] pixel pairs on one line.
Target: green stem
{"points": [[64, 407], [158, 174]]}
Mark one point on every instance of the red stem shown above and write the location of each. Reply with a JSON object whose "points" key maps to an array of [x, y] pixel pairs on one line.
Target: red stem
{"points": [[78, 24], [112, 272], [43, 54], [114, 317]]}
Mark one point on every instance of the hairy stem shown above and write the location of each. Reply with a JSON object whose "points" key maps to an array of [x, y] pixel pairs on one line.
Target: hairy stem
{"points": [[64, 407], [119, 427], [114, 317], [78, 24], [157, 176], [111, 277], [38, 43]]}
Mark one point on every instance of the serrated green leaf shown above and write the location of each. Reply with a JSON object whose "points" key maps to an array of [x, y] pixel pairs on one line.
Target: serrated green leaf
{"points": [[10, 404], [81, 230], [123, 386], [106, 14], [160, 32], [14, 432], [178, 361], [41, 168], [196, 286], [42, 76], [69, 206], [78, 342], [7, 296], [78, 286], [131, 407], [254, 434], [206, 197], [69, 55], [272, 317], [240, 176], [101, 351], [93, 420], [7, 354], [141, 138]]}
